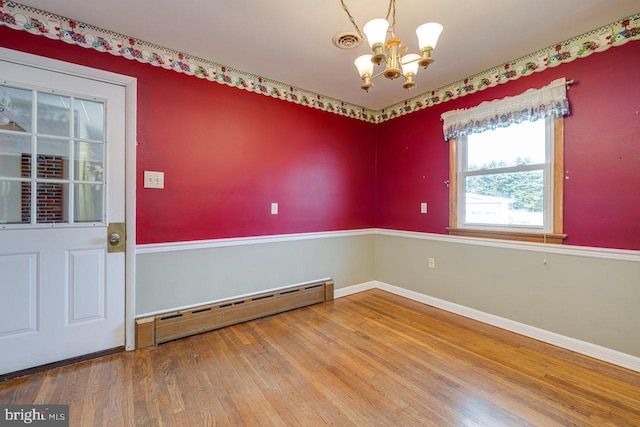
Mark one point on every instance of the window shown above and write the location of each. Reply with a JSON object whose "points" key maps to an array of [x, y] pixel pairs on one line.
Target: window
{"points": [[52, 152], [506, 170]]}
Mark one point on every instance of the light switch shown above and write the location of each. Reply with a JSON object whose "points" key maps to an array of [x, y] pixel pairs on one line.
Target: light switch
{"points": [[274, 209], [423, 207], [153, 179]]}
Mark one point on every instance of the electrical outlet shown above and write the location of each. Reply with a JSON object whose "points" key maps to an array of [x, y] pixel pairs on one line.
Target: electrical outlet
{"points": [[153, 179], [274, 209], [432, 263], [423, 207]]}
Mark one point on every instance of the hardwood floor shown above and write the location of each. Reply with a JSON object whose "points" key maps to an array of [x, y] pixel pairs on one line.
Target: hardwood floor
{"points": [[371, 358]]}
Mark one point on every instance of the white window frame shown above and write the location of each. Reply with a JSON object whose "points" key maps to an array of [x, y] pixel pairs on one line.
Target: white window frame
{"points": [[547, 173]]}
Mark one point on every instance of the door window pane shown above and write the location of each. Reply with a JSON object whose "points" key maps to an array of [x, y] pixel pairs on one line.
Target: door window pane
{"points": [[15, 155], [53, 158], [89, 161], [15, 202], [89, 120], [15, 109], [89, 203], [54, 114], [51, 202]]}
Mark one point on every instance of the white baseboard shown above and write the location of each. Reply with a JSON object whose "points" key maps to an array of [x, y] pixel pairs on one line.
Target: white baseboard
{"points": [[592, 350], [343, 292]]}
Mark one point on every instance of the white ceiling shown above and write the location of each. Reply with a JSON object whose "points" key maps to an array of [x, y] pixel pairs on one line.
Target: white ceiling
{"points": [[290, 40]]}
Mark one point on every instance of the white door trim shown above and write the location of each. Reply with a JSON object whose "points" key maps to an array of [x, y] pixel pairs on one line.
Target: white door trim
{"points": [[130, 84]]}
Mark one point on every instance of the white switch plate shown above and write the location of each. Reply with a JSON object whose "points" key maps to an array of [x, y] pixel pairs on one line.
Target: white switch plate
{"points": [[274, 209], [153, 179], [423, 207], [432, 263]]}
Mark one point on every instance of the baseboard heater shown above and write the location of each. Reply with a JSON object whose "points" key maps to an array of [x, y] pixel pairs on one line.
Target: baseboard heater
{"points": [[154, 330]]}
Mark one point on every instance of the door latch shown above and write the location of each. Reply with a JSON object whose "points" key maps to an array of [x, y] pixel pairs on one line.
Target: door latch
{"points": [[116, 237]]}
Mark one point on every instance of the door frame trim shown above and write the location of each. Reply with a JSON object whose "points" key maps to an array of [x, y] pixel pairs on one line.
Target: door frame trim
{"points": [[130, 85]]}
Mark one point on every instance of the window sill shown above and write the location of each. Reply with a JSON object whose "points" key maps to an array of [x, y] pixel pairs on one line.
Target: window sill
{"points": [[509, 235]]}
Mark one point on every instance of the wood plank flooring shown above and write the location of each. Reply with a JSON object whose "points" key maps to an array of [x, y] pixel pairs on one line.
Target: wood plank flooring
{"points": [[369, 359]]}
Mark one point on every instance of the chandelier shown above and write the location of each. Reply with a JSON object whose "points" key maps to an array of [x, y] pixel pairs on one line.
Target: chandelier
{"points": [[391, 51]]}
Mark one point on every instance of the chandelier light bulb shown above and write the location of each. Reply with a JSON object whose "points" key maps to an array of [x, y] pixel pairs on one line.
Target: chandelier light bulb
{"points": [[364, 65], [376, 31], [365, 69], [428, 35], [410, 69], [410, 64]]}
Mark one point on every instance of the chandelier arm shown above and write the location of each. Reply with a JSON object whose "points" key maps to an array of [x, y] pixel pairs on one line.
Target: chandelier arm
{"points": [[377, 75], [413, 60], [353, 21]]}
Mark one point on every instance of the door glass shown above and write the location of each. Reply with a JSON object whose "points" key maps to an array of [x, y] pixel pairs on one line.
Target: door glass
{"points": [[89, 202], [89, 117], [89, 161], [51, 202], [67, 149], [54, 114], [15, 109], [12, 208], [15, 155], [53, 158]]}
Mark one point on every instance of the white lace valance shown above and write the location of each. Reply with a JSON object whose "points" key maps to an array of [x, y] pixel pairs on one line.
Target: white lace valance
{"points": [[531, 105]]}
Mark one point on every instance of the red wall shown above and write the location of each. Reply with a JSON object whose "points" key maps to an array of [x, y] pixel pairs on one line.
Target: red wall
{"points": [[228, 154], [602, 154]]}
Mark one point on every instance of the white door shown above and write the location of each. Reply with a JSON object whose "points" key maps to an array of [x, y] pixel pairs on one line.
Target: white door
{"points": [[62, 181]]}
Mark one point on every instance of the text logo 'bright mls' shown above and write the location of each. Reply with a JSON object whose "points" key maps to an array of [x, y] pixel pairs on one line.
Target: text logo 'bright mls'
{"points": [[37, 415]]}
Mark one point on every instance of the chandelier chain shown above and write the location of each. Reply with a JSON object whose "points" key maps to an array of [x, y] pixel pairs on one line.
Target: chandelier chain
{"points": [[391, 11], [353, 21], [392, 27]]}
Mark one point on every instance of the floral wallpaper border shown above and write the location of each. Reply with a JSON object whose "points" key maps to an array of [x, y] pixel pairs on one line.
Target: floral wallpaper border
{"points": [[34, 21]]}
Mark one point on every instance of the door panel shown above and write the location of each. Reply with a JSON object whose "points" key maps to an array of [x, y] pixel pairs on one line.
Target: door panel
{"points": [[18, 287], [85, 285], [62, 181]]}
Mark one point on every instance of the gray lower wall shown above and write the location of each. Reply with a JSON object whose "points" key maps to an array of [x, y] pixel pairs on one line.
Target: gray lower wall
{"points": [[591, 299], [167, 280], [587, 298]]}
